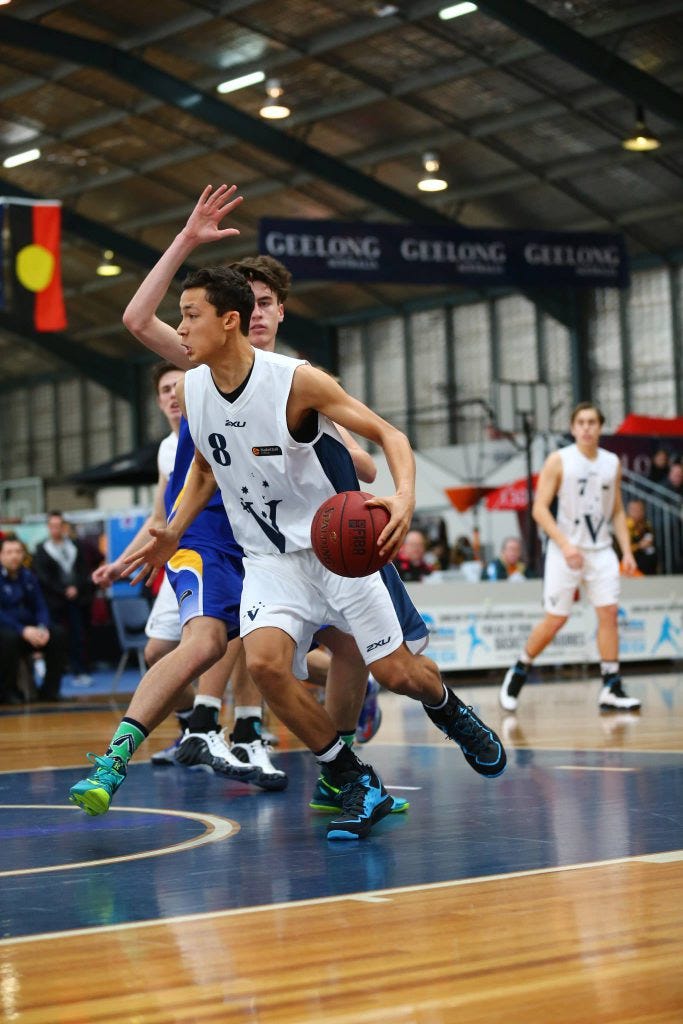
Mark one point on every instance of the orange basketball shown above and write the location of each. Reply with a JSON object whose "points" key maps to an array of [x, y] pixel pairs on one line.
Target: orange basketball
{"points": [[344, 534]]}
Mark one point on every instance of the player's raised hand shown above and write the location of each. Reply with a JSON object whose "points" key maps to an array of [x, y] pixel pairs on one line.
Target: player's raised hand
{"points": [[148, 560], [203, 224]]}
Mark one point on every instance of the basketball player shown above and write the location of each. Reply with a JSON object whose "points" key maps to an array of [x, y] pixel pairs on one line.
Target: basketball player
{"points": [[586, 481], [214, 545], [346, 671], [264, 425]]}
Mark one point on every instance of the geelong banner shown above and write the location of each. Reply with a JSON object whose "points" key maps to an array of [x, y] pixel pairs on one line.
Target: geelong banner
{"points": [[410, 254]]}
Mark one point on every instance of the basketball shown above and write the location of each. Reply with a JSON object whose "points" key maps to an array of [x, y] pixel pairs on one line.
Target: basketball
{"points": [[344, 534]]}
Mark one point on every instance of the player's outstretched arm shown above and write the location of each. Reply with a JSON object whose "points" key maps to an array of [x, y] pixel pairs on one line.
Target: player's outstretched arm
{"points": [[315, 389], [549, 480], [203, 225]]}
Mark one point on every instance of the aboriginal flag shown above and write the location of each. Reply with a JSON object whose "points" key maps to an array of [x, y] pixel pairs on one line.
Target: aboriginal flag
{"points": [[35, 264]]}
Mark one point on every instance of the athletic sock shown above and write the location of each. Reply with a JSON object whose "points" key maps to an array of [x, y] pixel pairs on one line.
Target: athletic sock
{"points": [[609, 670], [184, 717], [336, 760], [204, 717], [348, 737], [126, 740], [247, 727], [441, 704]]}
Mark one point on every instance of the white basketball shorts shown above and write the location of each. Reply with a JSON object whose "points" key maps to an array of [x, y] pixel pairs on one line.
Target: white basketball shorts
{"points": [[294, 592], [164, 619], [599, 577]]}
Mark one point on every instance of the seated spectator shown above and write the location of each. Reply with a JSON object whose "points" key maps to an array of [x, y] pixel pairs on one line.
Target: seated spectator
{"points": [[660, 466], [462, 551], [62, 569], [411, 563], [436, 535], [508, 565], [642, 537], [25, 627]]}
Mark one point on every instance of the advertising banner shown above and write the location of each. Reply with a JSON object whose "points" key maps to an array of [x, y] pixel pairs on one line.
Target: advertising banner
{"points": [[412, 254]]}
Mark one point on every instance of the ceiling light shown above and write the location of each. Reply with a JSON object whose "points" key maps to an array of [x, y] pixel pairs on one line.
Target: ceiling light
{"points": [[456, 10], [430, 182], [21, 158], [641, 139], [272, 110], [385, 10], [107, 267], [242, 82]]}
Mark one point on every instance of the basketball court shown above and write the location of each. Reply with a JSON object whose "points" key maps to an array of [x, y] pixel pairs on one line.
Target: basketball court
{"points": [[549, 894]]}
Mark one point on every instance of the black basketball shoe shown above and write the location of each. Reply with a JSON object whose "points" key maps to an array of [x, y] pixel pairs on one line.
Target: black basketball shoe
{"points": [[482, 749]]}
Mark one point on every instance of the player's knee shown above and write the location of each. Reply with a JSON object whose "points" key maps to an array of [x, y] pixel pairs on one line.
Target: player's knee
{"points": [[393, 674], [266, 671]]}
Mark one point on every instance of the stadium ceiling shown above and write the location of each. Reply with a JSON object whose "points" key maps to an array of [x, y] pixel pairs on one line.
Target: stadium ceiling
{"points": [[525, 103]]}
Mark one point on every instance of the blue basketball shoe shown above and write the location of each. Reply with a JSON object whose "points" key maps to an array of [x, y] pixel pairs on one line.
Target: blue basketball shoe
{"points": [[327, 798], [482, 749], [94, 793], [364, 802], [370, 717]]}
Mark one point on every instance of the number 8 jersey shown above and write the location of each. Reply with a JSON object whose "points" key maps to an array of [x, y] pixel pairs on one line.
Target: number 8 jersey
{"points": [[271, 484], [585, 500]]}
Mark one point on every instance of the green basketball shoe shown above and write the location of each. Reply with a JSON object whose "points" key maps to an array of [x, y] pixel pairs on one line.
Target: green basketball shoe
{"points": [[327, 798], [94, 793]]}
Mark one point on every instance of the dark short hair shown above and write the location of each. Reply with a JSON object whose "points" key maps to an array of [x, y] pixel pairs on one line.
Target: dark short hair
{"points": [[582, 406], [11, 538], [158, 371], [268, 270], [226, 290], [55, 512]]}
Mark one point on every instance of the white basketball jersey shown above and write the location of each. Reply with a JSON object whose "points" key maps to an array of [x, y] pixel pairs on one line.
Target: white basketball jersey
{"points": [[585, 500], [271, 484], [166, 455]]}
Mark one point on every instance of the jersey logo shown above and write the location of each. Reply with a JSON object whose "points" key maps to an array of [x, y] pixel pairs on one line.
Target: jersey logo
{"points": [[267, 449], [267, 521], [235, 423], [378, 643], [185, 594], [594, 531]]}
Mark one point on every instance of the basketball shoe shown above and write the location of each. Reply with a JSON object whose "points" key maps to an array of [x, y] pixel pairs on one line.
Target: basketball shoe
{"points": [[167, 755], [94, 793], [247, 746], [370, 717], [210, 752], [364, 801], [482, 749], [327, 797], [613, 697], [514, 680]]}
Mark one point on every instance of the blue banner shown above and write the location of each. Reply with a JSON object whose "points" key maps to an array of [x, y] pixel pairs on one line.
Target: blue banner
{"points": [[327, 250]]}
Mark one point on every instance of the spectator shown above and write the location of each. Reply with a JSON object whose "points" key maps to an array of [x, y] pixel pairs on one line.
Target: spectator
{"points": [[674, 479], [660, 466], [61, 567], [465, 557], [25, 626], [411, 563], [642, 537], [508, 565], [436, 535]]}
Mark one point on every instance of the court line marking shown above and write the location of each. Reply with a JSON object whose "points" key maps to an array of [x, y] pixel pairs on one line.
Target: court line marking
{"points": [[217, 829], [385, 895]]}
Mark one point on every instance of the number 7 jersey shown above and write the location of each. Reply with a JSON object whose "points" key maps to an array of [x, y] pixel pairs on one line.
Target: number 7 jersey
{"points": [[271, 484], [585, 500]]}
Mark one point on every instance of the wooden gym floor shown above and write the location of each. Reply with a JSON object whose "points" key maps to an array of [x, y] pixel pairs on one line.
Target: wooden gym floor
{"points": [[552, 894]]}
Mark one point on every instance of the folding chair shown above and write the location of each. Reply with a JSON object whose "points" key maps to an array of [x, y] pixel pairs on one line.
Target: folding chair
{"points": [[130, 616]]}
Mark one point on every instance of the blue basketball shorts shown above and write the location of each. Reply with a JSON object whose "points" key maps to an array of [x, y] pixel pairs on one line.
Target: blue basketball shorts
{"points": [[207, 581]]}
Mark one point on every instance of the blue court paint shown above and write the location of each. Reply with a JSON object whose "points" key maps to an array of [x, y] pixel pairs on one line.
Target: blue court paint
{"points": [[459, 826]]}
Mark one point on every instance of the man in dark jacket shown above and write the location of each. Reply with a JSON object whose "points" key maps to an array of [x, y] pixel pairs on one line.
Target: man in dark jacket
{"points": [[25, 626], [61, 567]]}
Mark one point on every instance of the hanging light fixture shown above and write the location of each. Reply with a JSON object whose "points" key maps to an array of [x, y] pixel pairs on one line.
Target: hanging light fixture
{"points": [[430, 181], [107, 267], [272, 110], [641, 139]]}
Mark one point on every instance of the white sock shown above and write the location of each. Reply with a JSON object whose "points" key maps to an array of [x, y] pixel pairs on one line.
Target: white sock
{"points": [[247, 711], [204, 700]]}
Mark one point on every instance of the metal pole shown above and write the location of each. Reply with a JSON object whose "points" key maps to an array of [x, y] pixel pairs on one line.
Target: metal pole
{"points": [[530, 524]]}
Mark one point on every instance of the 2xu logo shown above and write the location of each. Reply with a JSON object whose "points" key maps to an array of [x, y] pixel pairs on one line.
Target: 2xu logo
{"points": [[378, 643]]}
